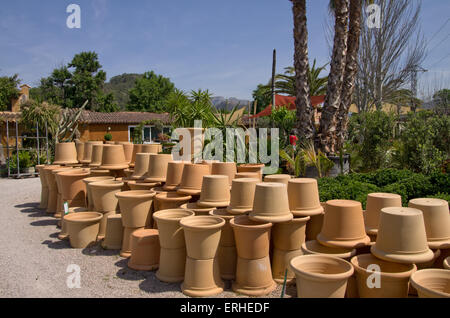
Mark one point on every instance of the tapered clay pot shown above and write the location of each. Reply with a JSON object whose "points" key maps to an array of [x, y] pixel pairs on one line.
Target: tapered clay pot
{"points": [[401, 236], [97, 154], [393, 277], [321, 276], [140, 166], [137, 148], [157, 167], [242, 195], [100, 173], [192, 178], [88, 147], [149, 186], [152, 148], [89, 198], [303, 196], [113, 158], [145, 250], [202, 278], [252, 237], [65, 153], [209, 163], [253, 277], [228, 169], [343, 225], [271, 203], [114, 232], [215, 191], [289, 236], [59, 200], [64, 234], [73, 189], [197, 209], [52, 188], [314, 247], [173, 247], [278, 178], [252, 175], [174, 174], [314, 225], [44, 187], [80, 150], [280, 265], [437, 220], [170, 200], [135, 207], [127, 149], [432, 283], [375, 202], [446, 263], [252, 167], [227, 234], [83, 228]]}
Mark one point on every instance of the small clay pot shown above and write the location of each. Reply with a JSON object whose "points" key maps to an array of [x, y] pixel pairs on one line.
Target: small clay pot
{"points": [[280, 264], [135, 207], [343, 225], [253, 277], [170, 200], [157, 167], [215, 191], [252, 167], [137, 148], [151, 148], [432, 283], [202, 278], [145, 250], [314, 225], [113, 158], [271, 203], [314, 247], [65, 153], [140, 166], [192, 178], [401, 236], [321, 276], [242, 195], [63, 235], [97, 154], [197, 209], [228, 169], [103, 194], [446, 263], [44, 187], [278, 178], [135, 185], [171, 234], [127, 149], [88, 146], [375, 202], [437, 220], [289, 236], [80, 150], [82, 228], [174, 174], [52, 188], [251, 175], [114, 232], [393, 277], [90, 200], [303, 196]]}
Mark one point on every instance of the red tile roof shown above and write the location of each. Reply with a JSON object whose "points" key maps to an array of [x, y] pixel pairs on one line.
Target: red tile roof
{"points": [[90, 117]]}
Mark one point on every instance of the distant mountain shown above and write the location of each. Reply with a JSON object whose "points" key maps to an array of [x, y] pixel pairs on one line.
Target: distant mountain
{"points": [[228, 103], [119, 86]]}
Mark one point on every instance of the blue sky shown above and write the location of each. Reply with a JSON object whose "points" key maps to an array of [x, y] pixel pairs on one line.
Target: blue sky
{"points": [[223, 46]]}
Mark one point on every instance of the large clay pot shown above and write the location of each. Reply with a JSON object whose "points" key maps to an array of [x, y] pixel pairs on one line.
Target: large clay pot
{"points": [[278, 178], [192, 178], [127, 149], [224, 168], [64, 234], [73, 189], [113, 158], [97, 154], [44, 187], [80, 150], [89, 198], [152, 148], [52, 188], [303, 196], [314, 225], [432, 283], [114, 232], [271, 203], [197, 209], [170, 200], [314, 247], [65, 153], [145, 250], [82, 228], [321, 276], [252, 167], [174, 174], [252, 175], [375, 202], [87, 156], [157, 167], [343, 225], [135, 207], [242, 195], [437, 220], [137, 148], [215, 191], [59, 200], [393, 277], [135, 185], [140, 166], [173, 247], [401, 236]]}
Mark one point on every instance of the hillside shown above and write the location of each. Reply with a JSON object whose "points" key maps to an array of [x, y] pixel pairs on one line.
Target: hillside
{"points": [[119, 86]]}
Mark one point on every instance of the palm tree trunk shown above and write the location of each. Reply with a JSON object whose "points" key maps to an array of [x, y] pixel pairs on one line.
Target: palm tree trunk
{"points": [[327, 130], [351, 68], [305, 112]]}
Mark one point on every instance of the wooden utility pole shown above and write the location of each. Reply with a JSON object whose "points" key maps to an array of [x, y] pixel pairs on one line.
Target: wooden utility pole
{"points": [[254, 112], [274, 66]]}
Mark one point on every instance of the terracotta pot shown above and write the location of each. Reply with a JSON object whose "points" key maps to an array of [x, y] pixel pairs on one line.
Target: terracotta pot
{"points": [[127, 149], [242, 195], [103, 194], [145, 250], [446, 263], [192, 178], [271, 203], [202, 278], [90, 200], [343, 225], [437, 220], [65, 153], [393, 277], [401, 236], [100, 173], [109, 142], [197, 209], [429, 264], [252, 175], [135, 185], [135, 207], [113, 158], [172, 242], [252, 167], [80, 150], [375, 202], [227, 257], [280, 263], [152, 148], [170, 200], [44, 187], [114, 232], [157, 167], [253, 277], [289, 236], [215, 191], [73, 189], [97, 154], [63, 235], [314, 247], [278, 178], [321, 276], [432, 283], [314, 225], [174, 174], [137, 148], [83, 228], [196, 141], [209, 163], [141, 166], [224, 168], [59, 200], [87, 156], [52, 188], [303, 196], [227, 234], [125, 251]]}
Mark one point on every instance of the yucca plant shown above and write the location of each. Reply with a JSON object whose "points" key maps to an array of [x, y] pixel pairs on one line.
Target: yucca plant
{"points": [[295, 161], [317, 159]]}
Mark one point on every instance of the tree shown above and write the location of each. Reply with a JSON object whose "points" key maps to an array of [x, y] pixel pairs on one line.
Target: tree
{"points": [[119, 86], [42, 113], [8, 90], [106, 103], [441, 101], [263, 96], [150, 92]]}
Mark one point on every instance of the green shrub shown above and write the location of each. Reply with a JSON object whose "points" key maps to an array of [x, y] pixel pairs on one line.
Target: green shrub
{"points": [[108, 137], [416, 186], [443, 196]]}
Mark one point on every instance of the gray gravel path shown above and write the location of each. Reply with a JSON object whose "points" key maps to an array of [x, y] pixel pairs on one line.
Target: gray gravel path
{"points": [[33, 260]]}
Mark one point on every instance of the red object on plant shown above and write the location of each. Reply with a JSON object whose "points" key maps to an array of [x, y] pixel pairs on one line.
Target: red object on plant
{"points": [[293, 140]]}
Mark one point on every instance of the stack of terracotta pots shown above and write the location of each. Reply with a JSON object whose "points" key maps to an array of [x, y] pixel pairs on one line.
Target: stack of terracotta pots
{"points": [[44, 187], [82, 228], [65, 154], [52, 188], [174, 174], [127, 149], [157, 167], [97, 154], [59, 202], [113, 158], [215, 191], [89, 198], [192, 179], [87, 153], [140, 166]]}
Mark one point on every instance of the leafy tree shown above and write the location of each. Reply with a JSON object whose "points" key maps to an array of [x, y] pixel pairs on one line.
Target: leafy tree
{"points": [[262, 95], [43, 113], [150, 93], [106, 103], [8, 90], [441, 101], [284, 119], [119, 86]]}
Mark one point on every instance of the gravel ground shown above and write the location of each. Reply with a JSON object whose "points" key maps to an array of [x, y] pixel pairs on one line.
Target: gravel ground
{"points": [[34, 260]]}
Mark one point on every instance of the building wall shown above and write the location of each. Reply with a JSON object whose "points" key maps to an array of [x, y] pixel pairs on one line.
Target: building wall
{"points": [[119, 132]]}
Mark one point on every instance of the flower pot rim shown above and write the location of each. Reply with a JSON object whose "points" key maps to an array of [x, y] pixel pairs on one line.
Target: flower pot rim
{"points": [[135, 194], [426, 272], [347, 267], [310, 247], [277, 219], [343, 203], [172, 215], [83, 217], [107, 184], [357, 242], [190, 206], [202, 222], [189, 191], [103, 178], [237, 211], [405, 270], [421, 257], [246, 179], [252, 165], [150, 184], [308, 212], [75, 173], [172, 196], [243, 221], [114, 167], [223, 213], [384, 195], [303, 180], [211, 204], [428, 202], [65, 162]]}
